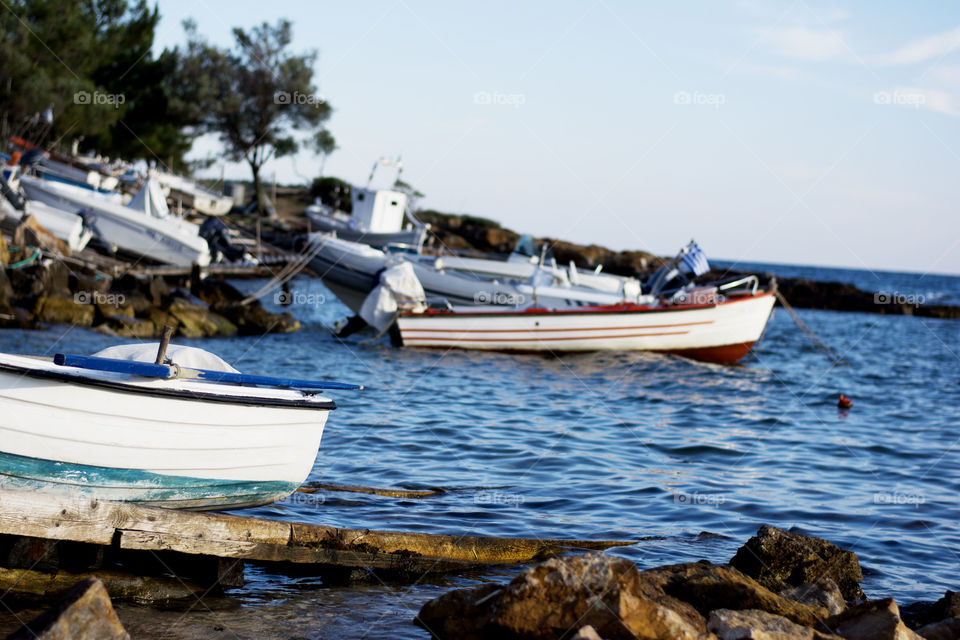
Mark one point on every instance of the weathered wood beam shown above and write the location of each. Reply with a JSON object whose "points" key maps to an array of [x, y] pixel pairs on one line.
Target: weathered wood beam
{"points": [[152, 528], [26, 583]]}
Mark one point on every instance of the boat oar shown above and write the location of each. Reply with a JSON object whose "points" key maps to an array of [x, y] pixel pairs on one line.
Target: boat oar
{"points": [[150, 370]]}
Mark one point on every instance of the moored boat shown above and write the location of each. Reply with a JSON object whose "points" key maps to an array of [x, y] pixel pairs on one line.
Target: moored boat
{"points": [[712, 327], [376, 219], [113, 428], [352, 271]]}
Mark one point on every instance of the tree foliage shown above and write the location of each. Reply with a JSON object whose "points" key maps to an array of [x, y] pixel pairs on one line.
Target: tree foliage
{"points": [[333, 192], [90, 63], [256, 95]]}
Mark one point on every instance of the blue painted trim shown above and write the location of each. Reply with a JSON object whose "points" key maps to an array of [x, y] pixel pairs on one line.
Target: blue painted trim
{"points": [[22, 473], [151, 370]]}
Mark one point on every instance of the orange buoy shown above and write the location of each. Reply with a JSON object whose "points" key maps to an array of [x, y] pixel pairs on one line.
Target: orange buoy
{"points": [[844, 402]]}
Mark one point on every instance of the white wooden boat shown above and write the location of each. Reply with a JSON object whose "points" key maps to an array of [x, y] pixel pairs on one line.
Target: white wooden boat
{"points": [[705, 325], [194, 195], [156, 235], [182, 443]]}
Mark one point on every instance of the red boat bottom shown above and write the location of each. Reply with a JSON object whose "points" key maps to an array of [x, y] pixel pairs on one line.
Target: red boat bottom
{"points": [[727, 354]]}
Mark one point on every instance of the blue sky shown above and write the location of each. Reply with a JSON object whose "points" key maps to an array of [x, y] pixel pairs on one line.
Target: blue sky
{"points": [[800, 132]]}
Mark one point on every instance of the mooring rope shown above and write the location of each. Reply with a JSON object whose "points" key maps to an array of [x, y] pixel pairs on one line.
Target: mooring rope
{"points": [[810, 333], [289, 271]]}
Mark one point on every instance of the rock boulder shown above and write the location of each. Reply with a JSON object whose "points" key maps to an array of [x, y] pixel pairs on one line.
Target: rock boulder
{"points": [[778, 559]]}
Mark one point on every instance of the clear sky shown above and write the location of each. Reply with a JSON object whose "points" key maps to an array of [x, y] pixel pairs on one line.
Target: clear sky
{"points": [[799, 131]]}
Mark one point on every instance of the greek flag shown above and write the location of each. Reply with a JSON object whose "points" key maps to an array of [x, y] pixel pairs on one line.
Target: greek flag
{"points": [[694, 259]]}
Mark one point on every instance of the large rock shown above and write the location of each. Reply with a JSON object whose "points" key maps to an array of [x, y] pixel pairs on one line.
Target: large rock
{"points": [[871, 620], [554, 599], [924, 613], [753, 624], [83, 613], [778, 559], [127, 327], [197, 321], [254, 319], [824, 592], [708, 587], [6, 289], [948, 629], [62, 308], [31, 233]]}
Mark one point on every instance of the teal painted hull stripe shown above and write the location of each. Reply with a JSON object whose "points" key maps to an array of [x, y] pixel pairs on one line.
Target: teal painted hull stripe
{"points": [[135, 485]]}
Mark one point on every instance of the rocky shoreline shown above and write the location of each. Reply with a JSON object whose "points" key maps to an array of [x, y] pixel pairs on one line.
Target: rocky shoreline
{"points": [[40, 284], [780, 585]]}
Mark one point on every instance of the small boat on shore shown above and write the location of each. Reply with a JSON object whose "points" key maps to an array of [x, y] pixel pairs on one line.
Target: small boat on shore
{"points": [[153, 233], [194, 434], [194, 195], [14, 209]]}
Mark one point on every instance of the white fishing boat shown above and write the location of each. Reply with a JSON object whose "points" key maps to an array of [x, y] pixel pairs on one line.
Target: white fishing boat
{"points": [[194, 195], [352, 271], [714, 322], [144, 227], [375, 219], [62, 224], [115, 427], [723, 330]]}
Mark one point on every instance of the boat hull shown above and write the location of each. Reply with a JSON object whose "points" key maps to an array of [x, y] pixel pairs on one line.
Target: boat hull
{"points": [[169, 447], [168, 241], [323, 223], [722, 333], [352, 270]]}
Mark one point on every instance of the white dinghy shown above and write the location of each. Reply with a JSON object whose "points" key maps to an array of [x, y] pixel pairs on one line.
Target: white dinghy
{"points": [[193, 434]]}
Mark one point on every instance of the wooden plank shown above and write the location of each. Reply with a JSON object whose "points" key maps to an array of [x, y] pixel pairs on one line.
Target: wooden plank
{"points": [[153, 541], [87, 520], [24, 582], [486, 550], [142, 527]]}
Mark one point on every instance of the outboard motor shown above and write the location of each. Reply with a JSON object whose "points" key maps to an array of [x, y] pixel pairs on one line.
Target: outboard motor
{"points": [[218, 239], [13, 197], [32, 157]]}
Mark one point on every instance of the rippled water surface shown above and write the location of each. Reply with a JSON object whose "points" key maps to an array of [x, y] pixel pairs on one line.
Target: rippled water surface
{"points": [[629, 445]]}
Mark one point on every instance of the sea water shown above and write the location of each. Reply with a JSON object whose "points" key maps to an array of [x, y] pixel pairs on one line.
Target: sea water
{"points": [[687, 458]]}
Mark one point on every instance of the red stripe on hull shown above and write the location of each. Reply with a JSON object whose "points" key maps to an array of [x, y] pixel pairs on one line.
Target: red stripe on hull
{"points": [[412, 339], [727, 354]]}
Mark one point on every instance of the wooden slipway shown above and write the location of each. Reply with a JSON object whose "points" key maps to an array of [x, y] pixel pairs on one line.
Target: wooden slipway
{"points": [[126, 526]]}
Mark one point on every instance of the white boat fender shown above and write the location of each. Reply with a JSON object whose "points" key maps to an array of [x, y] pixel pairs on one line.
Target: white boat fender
{"points": [[399, 289]]}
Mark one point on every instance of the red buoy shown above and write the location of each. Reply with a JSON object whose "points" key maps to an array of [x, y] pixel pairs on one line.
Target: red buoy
{"points": [[844, 402]]}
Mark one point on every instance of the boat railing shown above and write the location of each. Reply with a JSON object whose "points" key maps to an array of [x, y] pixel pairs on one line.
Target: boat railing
{"points": [[751, 282]]}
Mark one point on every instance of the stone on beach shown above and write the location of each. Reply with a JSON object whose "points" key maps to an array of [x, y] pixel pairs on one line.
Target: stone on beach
{"points": [[948, 629], [871, 620], [778, 559], [62, 308], [708, 587], [83, 613], [824, 592], [754, 624], [555, 598]]}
